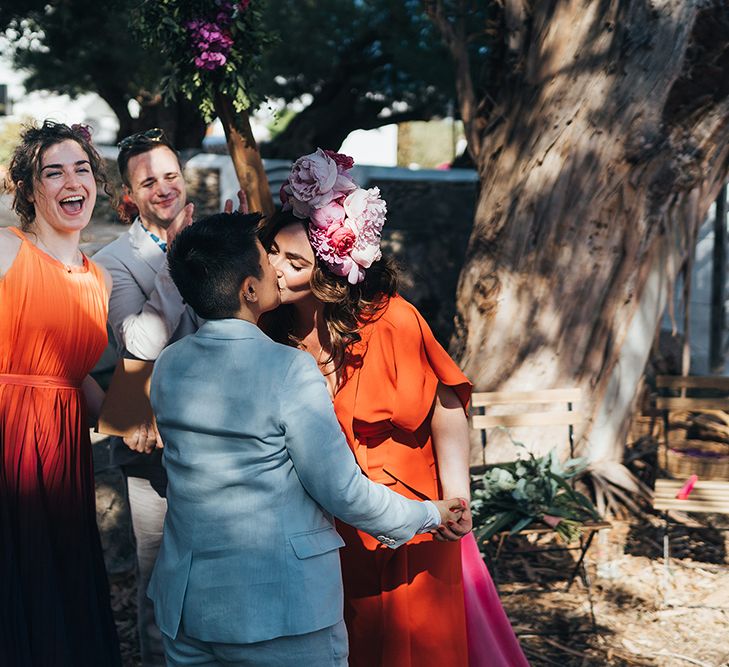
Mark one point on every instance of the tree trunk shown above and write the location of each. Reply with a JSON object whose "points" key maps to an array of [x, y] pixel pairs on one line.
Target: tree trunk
{"points": [[608, 142], [180, 120], [246, 158]]}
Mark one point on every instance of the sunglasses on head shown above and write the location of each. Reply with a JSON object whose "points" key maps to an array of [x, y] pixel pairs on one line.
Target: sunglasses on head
{"points": [[141, 138]]}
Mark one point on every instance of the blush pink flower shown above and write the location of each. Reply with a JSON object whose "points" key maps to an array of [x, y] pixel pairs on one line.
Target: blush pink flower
{"points": [[327, 215], [367, 253], [366, 209]]}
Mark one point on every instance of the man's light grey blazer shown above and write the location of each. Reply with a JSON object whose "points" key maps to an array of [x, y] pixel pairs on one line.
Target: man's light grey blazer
{"points": [[146, 312], [257, 465]]}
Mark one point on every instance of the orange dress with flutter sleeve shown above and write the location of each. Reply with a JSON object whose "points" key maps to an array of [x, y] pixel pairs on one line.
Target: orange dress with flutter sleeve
{"points": [[54, 595], [403, 607]]}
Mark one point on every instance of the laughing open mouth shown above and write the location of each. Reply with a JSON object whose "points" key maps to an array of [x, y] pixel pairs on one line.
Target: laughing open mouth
{"points": [[72, 205]]}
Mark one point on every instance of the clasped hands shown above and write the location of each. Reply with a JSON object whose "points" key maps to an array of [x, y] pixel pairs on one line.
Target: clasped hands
{"points": [[144, 440], [456, 520]]}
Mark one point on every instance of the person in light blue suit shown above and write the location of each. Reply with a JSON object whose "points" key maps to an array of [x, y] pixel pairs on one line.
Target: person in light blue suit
{"points": [[248, 572]]}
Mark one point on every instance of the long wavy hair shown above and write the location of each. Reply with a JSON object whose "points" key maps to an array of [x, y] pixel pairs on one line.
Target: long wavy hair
{"points": [[347, 307]]}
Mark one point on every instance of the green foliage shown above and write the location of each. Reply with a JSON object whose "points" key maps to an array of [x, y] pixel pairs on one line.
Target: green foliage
{"points": [[364, 64], [81, 46], [162, 26], [385, 52], [511, 496]]}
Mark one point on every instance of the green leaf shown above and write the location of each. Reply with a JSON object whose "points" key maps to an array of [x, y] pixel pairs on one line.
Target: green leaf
{"points": [[521, 525], [502, 521]]}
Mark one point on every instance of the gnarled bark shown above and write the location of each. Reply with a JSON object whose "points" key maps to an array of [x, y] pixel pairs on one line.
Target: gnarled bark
{"points": [[607, 144]]}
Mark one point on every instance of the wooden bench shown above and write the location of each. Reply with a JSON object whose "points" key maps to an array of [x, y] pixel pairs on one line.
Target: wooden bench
{"points": [[683, 383], [706, 496], [564, 414], [555, 407], [707, 492]]}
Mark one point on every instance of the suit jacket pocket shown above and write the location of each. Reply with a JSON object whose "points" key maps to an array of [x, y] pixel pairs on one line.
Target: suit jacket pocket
{"points": [[315, 542]]}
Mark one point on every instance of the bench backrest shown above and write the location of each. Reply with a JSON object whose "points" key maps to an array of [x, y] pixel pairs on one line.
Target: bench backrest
{"points": [[556, 407], [706, 496], [678, 382]]}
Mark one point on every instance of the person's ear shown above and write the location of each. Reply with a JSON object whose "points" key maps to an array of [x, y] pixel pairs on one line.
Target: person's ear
{"points": [[28, 195], [248, 290]]}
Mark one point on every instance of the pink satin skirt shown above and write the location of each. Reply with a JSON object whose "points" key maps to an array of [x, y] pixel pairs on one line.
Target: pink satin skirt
{"points": [[491, 640]]}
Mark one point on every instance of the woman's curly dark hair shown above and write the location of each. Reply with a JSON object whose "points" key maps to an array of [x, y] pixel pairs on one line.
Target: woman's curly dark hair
{"points": [[25, 164], [347, 307]]}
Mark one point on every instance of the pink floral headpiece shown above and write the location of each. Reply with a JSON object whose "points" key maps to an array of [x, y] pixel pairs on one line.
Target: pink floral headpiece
{"points": [[83, 129], [345, 221]]}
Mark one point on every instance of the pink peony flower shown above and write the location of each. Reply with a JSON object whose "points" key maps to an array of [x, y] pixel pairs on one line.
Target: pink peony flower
{"points": [[367, 254], [344, 161], [366, 209], [331, 213], [312, 178], [345, 222], [341, 239]]}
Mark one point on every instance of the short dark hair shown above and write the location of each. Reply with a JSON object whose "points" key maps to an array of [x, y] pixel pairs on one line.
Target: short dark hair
{"points": [[137, 144], [210, 259], [25, 164]]}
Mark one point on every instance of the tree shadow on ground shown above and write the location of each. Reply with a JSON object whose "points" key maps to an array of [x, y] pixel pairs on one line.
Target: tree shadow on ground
{"points": [[542, 559], [703, 544], [560, 633]]}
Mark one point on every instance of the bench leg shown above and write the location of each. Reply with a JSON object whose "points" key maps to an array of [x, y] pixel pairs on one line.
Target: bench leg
{"points": [[666, 558], [579, 567]]}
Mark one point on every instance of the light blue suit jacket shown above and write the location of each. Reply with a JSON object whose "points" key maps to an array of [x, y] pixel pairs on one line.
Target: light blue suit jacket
{"points": [[257, 465]]}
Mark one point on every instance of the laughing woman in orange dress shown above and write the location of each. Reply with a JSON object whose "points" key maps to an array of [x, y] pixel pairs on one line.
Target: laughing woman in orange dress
{"points": [[54, 596]]}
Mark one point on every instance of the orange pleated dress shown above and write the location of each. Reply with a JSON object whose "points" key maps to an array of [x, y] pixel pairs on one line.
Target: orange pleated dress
{"points": [[54, 595], [403, 607]]}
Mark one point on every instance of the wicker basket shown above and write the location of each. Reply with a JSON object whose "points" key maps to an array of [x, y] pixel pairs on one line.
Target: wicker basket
{"points": [[708, 460]]}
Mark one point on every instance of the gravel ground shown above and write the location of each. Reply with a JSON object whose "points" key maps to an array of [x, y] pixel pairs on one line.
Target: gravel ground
{"points": [[645, 614]]}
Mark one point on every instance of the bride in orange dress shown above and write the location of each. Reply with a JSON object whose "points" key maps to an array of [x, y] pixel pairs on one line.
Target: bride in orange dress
{"points": [[400, 401], [54, 596]]}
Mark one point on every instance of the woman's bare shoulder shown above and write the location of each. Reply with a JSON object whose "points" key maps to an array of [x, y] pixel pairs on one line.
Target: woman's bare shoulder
{"points": [[9, 247]]}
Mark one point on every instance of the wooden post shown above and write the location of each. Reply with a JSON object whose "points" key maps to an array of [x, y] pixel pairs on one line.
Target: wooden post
{"points": [[246, 158], [718, 280]]}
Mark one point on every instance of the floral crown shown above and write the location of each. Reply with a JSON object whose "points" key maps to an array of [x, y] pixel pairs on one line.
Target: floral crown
{"points": [[345, 221]]}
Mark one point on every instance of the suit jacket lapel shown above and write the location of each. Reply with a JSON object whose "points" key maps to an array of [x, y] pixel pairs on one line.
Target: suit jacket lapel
{"points": [[145, 247]]}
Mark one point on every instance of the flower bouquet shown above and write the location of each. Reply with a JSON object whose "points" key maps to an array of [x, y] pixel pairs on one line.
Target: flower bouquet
{"points": [[512, 496]]}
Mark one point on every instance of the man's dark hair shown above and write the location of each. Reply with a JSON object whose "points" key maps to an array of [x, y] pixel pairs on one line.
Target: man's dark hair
{"points": [[137, 144], [210, 259]]}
